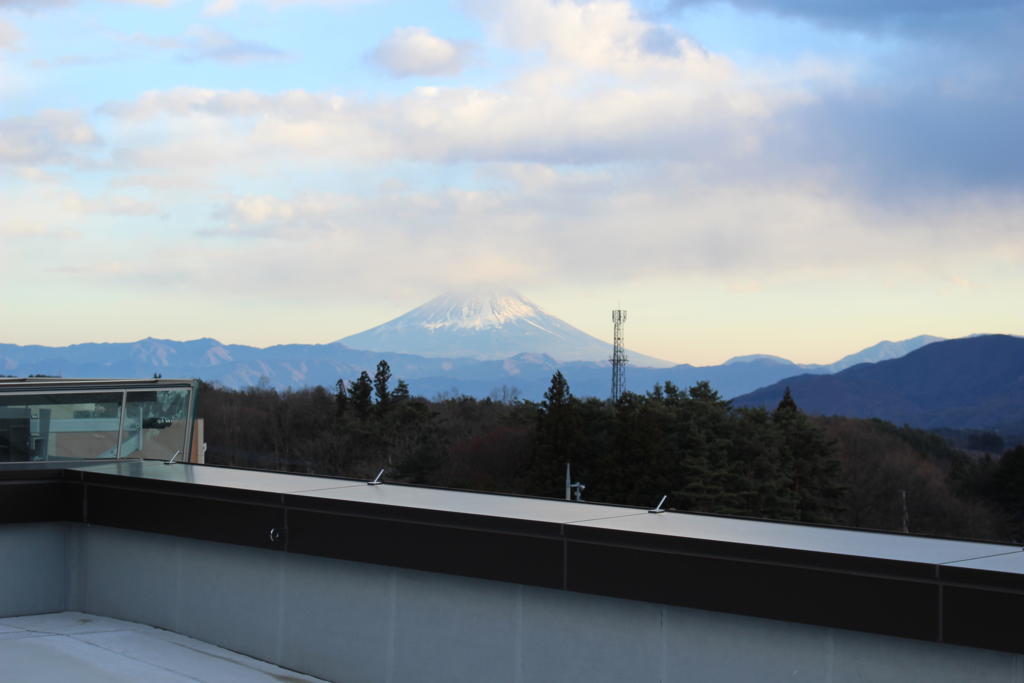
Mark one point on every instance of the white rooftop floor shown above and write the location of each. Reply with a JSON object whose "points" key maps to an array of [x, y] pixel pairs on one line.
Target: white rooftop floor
{"points": [[68, 647]]}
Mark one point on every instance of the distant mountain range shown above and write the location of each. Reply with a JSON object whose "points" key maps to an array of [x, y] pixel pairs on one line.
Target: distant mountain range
{"points": [[971, 383], [473, 342], [883, 350], [486, 342], [299, 365]]}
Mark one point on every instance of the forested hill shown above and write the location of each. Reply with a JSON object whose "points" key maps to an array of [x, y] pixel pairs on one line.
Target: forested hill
{"points": [[971, 383]]}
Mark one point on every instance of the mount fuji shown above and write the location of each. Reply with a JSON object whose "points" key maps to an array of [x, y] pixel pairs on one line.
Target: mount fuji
{"points": [[487, 324]]}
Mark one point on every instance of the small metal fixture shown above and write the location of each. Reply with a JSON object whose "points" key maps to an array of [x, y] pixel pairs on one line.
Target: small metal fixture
{"points": [[173, 457], [275, 535], [573, 491], [656, 509], [376, 480], [905, 518]]}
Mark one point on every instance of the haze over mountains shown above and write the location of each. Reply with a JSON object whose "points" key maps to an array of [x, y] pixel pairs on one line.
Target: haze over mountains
{"points": [[473, 342]]}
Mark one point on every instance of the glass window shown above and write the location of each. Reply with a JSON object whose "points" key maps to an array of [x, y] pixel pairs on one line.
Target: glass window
{"points": [[155, 424], [59, 426]]}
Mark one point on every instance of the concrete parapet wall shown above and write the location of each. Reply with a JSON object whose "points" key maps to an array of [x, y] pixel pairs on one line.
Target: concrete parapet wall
{"points": [[349, 621], [33, 564]]}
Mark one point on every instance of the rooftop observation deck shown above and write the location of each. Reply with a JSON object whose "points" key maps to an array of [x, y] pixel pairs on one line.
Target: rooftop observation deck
{"points": [[84, 648], [344, 580]]}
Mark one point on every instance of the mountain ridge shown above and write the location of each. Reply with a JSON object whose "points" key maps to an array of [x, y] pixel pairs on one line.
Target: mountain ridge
{"points": [[974, 382], [285, 366]]}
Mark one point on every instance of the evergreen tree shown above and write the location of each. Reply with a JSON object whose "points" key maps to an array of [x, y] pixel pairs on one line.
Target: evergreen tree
{"points": [[557, 436], [702, 434], [642, 465], [416, 439], [813, 468], [340, 398], [787, 403], [401, 392], [359, 393], [557, 394], [763, 466], [1009, 482], [380, 385], [702, 391]]}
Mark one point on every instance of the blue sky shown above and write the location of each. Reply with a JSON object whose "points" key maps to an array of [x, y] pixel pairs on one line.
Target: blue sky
{"points": [[756, 176]]}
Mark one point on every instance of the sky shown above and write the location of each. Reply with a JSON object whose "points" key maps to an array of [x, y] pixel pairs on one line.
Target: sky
{"points": [[801, 178]]}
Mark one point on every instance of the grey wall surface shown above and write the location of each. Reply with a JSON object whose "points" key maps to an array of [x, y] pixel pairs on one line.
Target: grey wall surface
{"points": [[353, 622], [32, 568]]}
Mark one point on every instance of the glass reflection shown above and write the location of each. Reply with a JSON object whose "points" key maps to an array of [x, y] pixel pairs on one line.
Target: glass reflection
{"points": [[59, 426], [80, 425], [155, 424]]}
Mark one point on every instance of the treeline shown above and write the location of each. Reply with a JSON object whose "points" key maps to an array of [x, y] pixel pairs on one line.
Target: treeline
{"points": [[687, 443]]}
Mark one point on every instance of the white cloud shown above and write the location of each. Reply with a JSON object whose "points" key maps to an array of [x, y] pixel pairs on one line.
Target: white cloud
{"points": [[218, 7], [71, 60], [50, 136], [9, 36], [221, 7], [214, 7], [113, 205], [325, 3], [414, 51], [602, 34], [604, 95], [573, 115], [35, 5], [626, 148], [202, 42], [539, 224], [613, 88]]}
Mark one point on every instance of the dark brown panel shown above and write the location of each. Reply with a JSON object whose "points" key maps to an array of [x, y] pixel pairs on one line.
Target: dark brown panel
{"points": [[193, 489], [12, 473], [466, 552], [745, 552], [34, 501], [826, 598], [968, 577], [416, 515], [203, 518], [981, 618]]}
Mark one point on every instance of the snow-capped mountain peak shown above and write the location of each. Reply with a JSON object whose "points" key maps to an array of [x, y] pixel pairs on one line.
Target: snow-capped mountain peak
{"points": [[487, 323], [475, 309]]}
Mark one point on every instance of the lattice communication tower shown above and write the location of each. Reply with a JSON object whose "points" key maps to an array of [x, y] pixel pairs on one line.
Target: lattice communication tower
{"points": [[618, 356]]}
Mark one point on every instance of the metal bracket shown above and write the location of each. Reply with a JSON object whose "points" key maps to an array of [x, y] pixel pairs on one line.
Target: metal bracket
{"points": [[657, 508], [176, 454], [376, 480]]}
